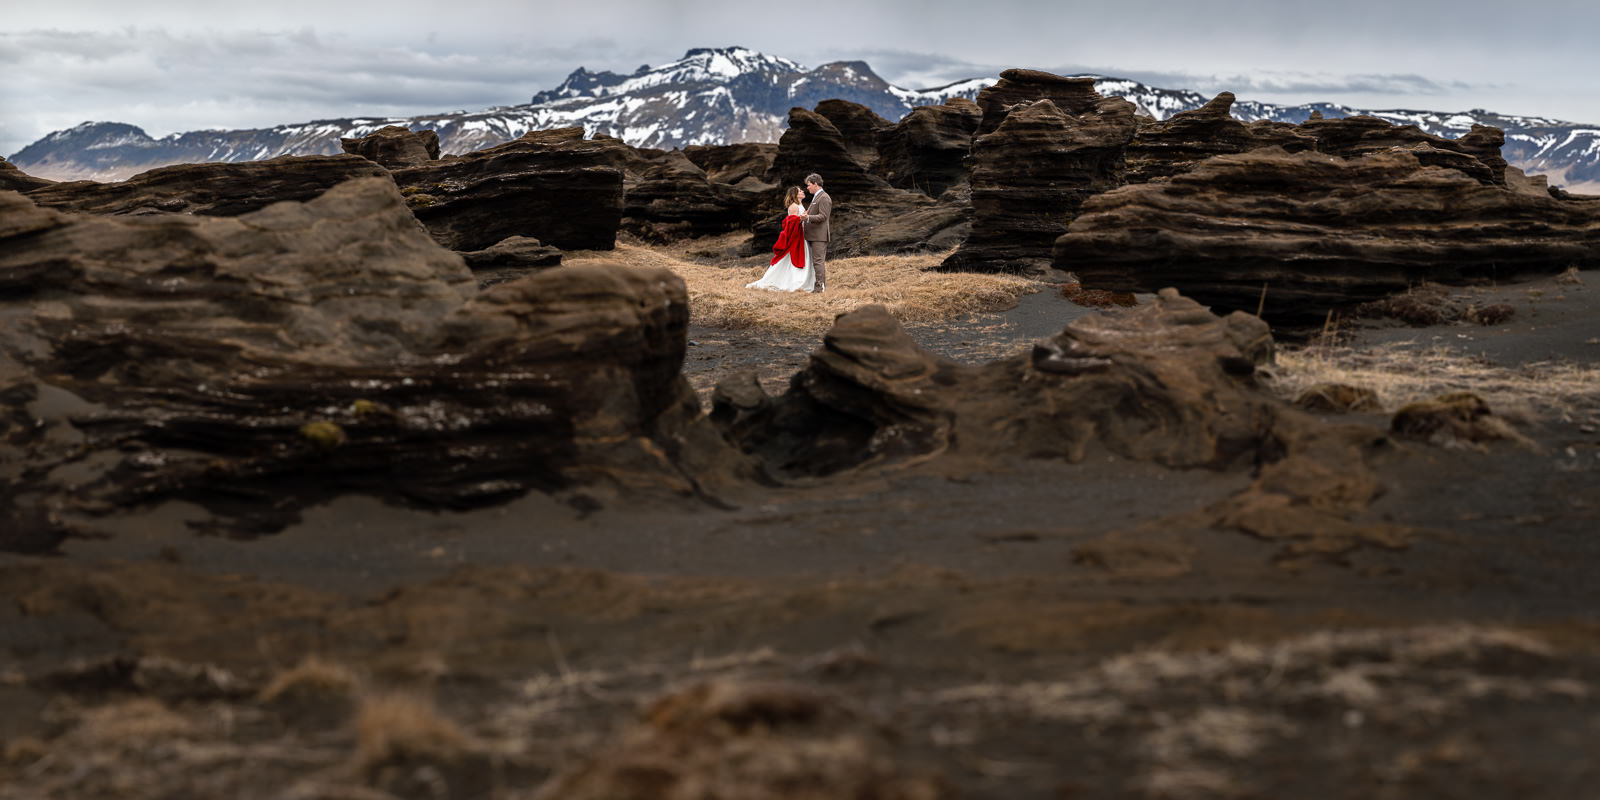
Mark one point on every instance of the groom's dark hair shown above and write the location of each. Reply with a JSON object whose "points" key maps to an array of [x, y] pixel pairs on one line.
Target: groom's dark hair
{"points": [[814, 178]]}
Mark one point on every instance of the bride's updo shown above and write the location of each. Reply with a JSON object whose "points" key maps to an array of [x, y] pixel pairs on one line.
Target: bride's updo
{"points": [[792, 196]]}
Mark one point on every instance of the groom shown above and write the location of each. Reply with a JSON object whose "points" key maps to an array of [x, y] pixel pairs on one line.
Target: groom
{"points": [[816, 225]]}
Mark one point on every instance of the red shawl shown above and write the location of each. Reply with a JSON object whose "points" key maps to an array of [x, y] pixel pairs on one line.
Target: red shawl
{"points": [[791, 243]]}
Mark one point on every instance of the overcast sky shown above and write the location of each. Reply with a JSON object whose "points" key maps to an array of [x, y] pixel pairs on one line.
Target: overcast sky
{"points": [[190, 64]]}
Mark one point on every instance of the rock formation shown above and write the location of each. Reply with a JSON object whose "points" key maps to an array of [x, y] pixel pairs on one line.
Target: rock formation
{"points": [[1166, 148], [869, 215], [394, 146], [554, 186], [672, 198], [18, 181], [257, 364], [859, 126], [1168, 382], [1030, 176], [733, 163], [1322, 232], [518, 253], [813, 144], [1019, 88], [210, 189], [1359, 136], [926, 151]]}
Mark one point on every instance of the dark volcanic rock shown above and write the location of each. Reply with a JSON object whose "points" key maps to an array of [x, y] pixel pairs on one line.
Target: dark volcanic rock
{"points": [[733, 163], [1166, 148], [926, 151], [213, 189], [394, 146], [16, 180], [672, 198], [1018, 88], [859, 126], [1168, 382], [1030, 176], [1320, 232], [813, 144], [869, 215], [554, 186], [1359, 136], [261, 363], [513, 252]]}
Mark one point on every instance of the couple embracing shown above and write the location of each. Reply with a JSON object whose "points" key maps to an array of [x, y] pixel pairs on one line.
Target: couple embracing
{"points": [[800, 263]]}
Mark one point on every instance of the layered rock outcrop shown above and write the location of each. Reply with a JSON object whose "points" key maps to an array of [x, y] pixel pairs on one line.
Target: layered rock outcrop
{"points": [[394, 146], [210, 189], [672, 198], [16, 180], [1031, 174], [1319, 232], [554, 186], [257, 364], [926, 151], [1020, 88], [860, 126], [1351, 137], [814, 144], [1169, 383], [1166, 148], [734, 163]]}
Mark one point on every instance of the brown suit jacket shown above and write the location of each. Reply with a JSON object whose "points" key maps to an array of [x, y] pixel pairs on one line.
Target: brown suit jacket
{"points": [[817, 214]]}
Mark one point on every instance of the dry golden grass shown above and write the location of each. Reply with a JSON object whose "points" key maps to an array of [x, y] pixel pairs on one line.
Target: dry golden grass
{"points": [[312, 680], [399, 728], [1402, 373], [903, 284]]}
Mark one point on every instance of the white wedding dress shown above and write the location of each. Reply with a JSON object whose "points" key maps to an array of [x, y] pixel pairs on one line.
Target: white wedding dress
{"points": [[782, 276]]}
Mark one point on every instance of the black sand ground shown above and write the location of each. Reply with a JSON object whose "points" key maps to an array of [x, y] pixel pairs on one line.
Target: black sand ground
{"points": [[1055, 630]]}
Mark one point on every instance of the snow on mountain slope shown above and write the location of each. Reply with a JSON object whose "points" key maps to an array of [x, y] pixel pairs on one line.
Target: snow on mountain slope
{"points": [[718, 96]]}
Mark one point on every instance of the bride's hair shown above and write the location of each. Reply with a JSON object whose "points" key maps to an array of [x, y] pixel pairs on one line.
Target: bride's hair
{"points": [[791, 196]]}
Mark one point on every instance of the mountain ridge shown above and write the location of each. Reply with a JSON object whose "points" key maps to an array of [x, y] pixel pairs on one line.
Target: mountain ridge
{"points": [[723, 96]]}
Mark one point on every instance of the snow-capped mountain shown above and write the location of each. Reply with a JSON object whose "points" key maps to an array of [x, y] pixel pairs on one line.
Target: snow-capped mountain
{"points": [[724, 95], [710, 96]]}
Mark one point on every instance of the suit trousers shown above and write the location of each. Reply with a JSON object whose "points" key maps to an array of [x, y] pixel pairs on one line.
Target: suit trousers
{"points": [[819, 261]]}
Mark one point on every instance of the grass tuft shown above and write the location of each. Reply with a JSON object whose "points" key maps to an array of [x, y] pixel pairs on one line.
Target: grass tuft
{"points": [[1401, 373]]}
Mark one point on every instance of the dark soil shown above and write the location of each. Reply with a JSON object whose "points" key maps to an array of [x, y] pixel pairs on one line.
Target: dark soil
{"points": [[1047, 631]]}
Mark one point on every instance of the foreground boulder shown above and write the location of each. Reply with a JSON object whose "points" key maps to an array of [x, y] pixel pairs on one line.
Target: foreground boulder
{"points": [[1320, 233], [213, 189], [258, 364], [1168, 382], [554, 186], [1030, 176], [394, 146]]}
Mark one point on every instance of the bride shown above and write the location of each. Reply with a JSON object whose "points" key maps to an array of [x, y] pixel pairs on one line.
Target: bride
{"points": [[791, 269]]}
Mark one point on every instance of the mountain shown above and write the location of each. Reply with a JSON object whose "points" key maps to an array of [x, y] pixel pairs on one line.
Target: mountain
{"points": [[724, 95]]}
